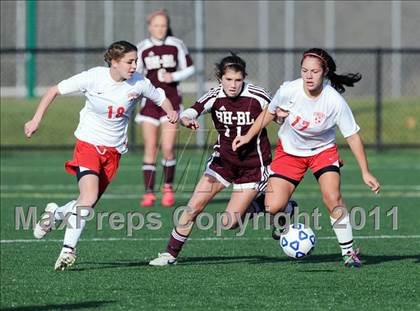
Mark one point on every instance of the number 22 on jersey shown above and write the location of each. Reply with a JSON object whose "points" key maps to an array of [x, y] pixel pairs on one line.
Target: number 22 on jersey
{"points": [[119, 113]]}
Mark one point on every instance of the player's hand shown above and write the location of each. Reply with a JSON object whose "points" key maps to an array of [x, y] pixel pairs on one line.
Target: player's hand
{"points": [[191, 124], [281, 114], [30, 128], [167, 77], [172, 116], [372, 182], [239, 141]]}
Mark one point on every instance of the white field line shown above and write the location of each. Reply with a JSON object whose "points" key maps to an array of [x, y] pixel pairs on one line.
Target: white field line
{"points": [[187, 194], [362, 237]]}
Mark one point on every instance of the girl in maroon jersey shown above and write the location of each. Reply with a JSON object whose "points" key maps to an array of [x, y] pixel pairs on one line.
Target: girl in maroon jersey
{"points": [[164, 60], [234, 105]]}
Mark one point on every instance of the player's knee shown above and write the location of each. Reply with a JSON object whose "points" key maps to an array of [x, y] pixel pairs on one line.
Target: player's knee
{"points": [[229, 222], [87, 200], [150, 149], [194, 210], [332, 198], [275, 206], [168, 153]]}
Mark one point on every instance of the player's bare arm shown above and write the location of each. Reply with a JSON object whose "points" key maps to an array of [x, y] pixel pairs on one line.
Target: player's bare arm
{"points": [[170, 112], [281, 115], [261, 122], [32, 126], [356, 146]]}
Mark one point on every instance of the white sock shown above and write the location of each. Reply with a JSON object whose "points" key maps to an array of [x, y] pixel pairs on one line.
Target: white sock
{"points": [[77, 224], [344, 235], [60, 213]]}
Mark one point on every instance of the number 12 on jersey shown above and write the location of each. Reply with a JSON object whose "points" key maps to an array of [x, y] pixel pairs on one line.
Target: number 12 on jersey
{"points": [[300, 124]]}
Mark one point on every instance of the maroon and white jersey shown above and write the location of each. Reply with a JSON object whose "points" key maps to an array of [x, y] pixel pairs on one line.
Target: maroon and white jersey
{"points": [[170, 55], [233, 117]]}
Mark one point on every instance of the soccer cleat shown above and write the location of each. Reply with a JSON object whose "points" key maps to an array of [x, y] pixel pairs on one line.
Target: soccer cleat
{"points": [[168, 198], [290, 209], [65, 260], [45, 224], [163, 259], [351, 259], [148, 199]]}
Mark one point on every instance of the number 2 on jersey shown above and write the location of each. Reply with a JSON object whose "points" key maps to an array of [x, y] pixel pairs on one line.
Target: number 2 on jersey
{"points": [[119, 114]]}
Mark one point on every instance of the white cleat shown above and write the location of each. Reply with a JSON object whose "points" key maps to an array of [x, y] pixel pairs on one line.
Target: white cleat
{"points": [[163, 259], [65, 260], [46, 222]]}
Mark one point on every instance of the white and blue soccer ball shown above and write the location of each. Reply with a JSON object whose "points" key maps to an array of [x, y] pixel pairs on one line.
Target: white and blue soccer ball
{"points": [[298, 241]]}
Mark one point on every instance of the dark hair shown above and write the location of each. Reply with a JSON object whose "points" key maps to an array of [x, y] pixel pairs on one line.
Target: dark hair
{"points": [[165, 14], [117, 50], [233, 62], [337, 81]]}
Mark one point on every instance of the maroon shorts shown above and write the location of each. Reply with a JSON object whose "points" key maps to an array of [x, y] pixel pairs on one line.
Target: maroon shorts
{"points": [[99, 160], [241, 177], [293, 168]]}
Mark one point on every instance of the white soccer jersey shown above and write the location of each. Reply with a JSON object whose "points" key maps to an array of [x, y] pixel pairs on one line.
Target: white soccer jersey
{"points": [[310, 126], [109, 104]]}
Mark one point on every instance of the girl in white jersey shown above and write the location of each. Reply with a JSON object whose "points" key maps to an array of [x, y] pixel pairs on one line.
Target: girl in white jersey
{"points": [[111, 95], [311, 107]]}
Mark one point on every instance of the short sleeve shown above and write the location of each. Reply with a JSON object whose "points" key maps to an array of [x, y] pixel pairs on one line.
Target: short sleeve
{"points": [[345, 120], [76, 83], [276, 101], [205, 103], [156, 95]]}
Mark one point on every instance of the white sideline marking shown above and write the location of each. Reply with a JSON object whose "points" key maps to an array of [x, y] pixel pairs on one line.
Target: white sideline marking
{"points": [[361, 237]]}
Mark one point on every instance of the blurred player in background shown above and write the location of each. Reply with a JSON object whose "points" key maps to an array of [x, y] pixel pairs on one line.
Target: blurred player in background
{"points": [[234, 105], [111, 95], [311, 107], [164, 60]]}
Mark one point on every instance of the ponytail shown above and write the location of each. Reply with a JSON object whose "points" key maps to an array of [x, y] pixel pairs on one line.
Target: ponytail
{"points": [[337, 81]]}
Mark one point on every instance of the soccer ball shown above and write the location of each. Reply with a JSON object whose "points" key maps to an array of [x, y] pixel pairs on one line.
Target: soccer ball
{"points": [[298, 241]]}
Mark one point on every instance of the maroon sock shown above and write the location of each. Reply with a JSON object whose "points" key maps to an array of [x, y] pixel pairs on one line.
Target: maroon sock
{"points": [[176, 241], [149, 172], [169, 171]]}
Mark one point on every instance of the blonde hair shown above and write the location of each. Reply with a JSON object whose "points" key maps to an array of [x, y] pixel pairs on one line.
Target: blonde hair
{"points": [[163, 13]]}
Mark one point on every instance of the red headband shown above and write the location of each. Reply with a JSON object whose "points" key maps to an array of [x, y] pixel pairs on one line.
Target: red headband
{"points": [[318, 56]]}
